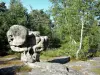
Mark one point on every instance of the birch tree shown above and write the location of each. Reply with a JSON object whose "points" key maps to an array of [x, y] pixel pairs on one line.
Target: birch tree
{"points": [[81, 39], [69, 24]]}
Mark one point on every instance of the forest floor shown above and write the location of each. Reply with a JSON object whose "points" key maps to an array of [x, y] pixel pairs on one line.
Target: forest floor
{"points": [[89, 67]]}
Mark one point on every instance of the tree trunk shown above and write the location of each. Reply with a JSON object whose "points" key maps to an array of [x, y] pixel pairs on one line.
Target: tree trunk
{"points": [[81, 38]]}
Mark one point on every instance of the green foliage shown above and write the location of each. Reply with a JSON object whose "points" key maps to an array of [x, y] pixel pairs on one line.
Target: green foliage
{"points": [[54, 42], [40, 21], [17, 14], [14, 15], [86, 46], [65, 50], [10, 52], [67, 16], [70, 48], [97, 54], [53, 53], [66, 30]]}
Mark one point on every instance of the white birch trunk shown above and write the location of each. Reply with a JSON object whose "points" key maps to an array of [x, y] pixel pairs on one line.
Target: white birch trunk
{"points": [[81, 38]]}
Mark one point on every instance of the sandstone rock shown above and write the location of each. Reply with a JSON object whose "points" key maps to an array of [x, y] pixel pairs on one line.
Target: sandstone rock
{"points": [[29, 43], [17, 35]]}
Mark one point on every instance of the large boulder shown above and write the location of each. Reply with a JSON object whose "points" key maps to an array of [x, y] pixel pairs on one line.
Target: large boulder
{"points": [[16, 37], [30, 43]]}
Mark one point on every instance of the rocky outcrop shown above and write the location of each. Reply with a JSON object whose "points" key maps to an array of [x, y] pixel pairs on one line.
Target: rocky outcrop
{"points": [[46, 68], [29, 43], [41, 68]]}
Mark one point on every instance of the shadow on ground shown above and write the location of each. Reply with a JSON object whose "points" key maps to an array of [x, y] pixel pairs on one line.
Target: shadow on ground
{"points": [[61, 60], [8, 70]]}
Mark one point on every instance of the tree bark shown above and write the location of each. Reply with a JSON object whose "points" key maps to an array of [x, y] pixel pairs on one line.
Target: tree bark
{"points": [[81, 38]]}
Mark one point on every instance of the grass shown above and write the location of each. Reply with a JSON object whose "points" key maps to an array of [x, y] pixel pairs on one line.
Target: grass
{"points": [[10, 60], [10, 63], [97, 54], [9, 56], [49, 54], [16, 62], [23, 69], [17, 55], [52, 53]]}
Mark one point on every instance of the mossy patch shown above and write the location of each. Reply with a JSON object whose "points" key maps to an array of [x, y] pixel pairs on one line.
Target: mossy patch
{"points": [[96, 70], [23, 69], [93, 63], [77, 67]]}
